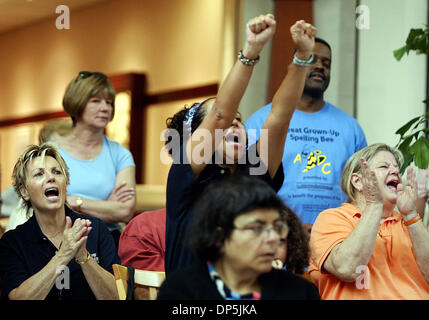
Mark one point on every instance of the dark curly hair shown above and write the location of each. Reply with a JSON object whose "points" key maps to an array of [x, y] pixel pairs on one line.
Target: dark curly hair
{"points": [[175, 123], [223, 200], [298, 250]]}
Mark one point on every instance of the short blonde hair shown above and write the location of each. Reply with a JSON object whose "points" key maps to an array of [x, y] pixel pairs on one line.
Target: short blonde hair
{"points": [[60, 126], [353, 165], [19, 174], [85, 86]]}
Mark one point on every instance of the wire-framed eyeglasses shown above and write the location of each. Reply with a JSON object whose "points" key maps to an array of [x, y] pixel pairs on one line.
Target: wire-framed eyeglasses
{"points": [[279, 228]]}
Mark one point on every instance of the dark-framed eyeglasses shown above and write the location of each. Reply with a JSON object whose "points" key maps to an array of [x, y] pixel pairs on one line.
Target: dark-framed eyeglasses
{"points": [[279, 228]]}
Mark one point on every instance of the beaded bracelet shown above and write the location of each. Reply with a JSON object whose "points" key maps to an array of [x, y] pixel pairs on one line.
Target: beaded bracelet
{"points": [[247, 61]]}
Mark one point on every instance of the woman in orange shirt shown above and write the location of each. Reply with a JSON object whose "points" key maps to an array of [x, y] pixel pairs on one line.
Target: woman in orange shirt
{"points": [[365, 249]]}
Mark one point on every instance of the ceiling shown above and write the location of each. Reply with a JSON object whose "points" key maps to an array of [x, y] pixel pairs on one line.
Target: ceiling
{"points": [[19, 13]]}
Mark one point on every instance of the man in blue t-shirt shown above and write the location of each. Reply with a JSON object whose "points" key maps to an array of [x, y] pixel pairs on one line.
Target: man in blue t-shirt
{"points": [[320, 140]]}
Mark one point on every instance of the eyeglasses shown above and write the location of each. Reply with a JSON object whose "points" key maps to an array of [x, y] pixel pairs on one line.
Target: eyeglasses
{"points": [[280, 228], [86, 74]]}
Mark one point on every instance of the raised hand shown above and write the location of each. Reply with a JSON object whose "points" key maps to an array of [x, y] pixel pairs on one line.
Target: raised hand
{"points": [[407, 196], [74, 237], [422, 182], [259, 30], [303, 35], [370, 188], [81, 252]]}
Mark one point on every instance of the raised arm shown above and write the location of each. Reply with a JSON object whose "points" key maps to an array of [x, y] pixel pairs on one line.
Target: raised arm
{"points": [[286, 98], [407, 199], [224, 108], [357, 248], [422, 182]]}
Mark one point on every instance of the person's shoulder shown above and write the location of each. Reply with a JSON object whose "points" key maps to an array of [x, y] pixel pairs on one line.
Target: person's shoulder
{"points": [[114, 145], [19, 233], [260, 113], [296, 285], [339, 112], [330, 219], [147, 220], [283, 275]]}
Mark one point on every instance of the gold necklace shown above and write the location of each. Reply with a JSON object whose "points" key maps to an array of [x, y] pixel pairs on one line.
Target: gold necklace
{"points": [[53, 235]]}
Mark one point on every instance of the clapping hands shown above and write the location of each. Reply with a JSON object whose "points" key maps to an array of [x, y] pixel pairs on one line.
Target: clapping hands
{"points": [[407, 195], [370, 188], [75, 237]]}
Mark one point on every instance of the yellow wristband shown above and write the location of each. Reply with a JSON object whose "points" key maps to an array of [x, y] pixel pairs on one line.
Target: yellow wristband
{"points": [[412, 221], [88, 256]]}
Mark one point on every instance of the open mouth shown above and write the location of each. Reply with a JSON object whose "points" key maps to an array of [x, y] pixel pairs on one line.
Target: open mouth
{"points": [[52, 193], [233, 138], [392, 185]]}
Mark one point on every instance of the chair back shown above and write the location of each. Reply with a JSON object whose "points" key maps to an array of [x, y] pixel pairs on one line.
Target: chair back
{"points": [[146, 282]]}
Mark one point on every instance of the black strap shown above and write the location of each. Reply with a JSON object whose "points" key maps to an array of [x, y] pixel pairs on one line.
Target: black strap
{"points": [[130, 289]]}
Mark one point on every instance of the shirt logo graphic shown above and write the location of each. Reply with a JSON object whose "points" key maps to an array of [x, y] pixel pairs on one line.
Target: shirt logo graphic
{"points": [[315, 159]]}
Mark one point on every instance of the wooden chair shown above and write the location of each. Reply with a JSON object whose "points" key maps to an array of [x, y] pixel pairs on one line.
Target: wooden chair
{"points": [[146, 282]]}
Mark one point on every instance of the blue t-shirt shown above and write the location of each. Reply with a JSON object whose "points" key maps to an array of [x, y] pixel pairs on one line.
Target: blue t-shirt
{"points": [[317, 147], [95, 179]]}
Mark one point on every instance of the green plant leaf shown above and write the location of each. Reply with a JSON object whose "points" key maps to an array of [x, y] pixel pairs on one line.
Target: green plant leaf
{"points": [[420, 151], [404, 145], [401, 131], [399, 53]]}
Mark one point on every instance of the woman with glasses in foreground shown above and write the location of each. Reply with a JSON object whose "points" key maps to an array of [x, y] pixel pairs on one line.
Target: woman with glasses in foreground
{"points": [[238, 224]]}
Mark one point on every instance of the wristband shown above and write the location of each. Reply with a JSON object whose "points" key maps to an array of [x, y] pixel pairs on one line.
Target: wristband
{"points": [[413, 220], [88, 256], [247, 61], [303, 63]]}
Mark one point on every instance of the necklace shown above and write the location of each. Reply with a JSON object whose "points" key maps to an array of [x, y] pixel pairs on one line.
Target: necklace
{"points": [[51, 235]]}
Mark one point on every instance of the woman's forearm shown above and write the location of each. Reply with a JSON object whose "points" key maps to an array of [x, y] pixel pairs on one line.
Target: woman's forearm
{"points": [[356, 250], [420, 239], [38, 286], [101, 282], [109, 211]]}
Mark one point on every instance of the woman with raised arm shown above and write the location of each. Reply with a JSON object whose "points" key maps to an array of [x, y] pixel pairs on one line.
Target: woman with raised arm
{"points": [[213, 140]]}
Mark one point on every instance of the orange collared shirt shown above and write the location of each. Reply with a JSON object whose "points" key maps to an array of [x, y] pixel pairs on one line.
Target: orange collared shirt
{"points": [[392, 271]]}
